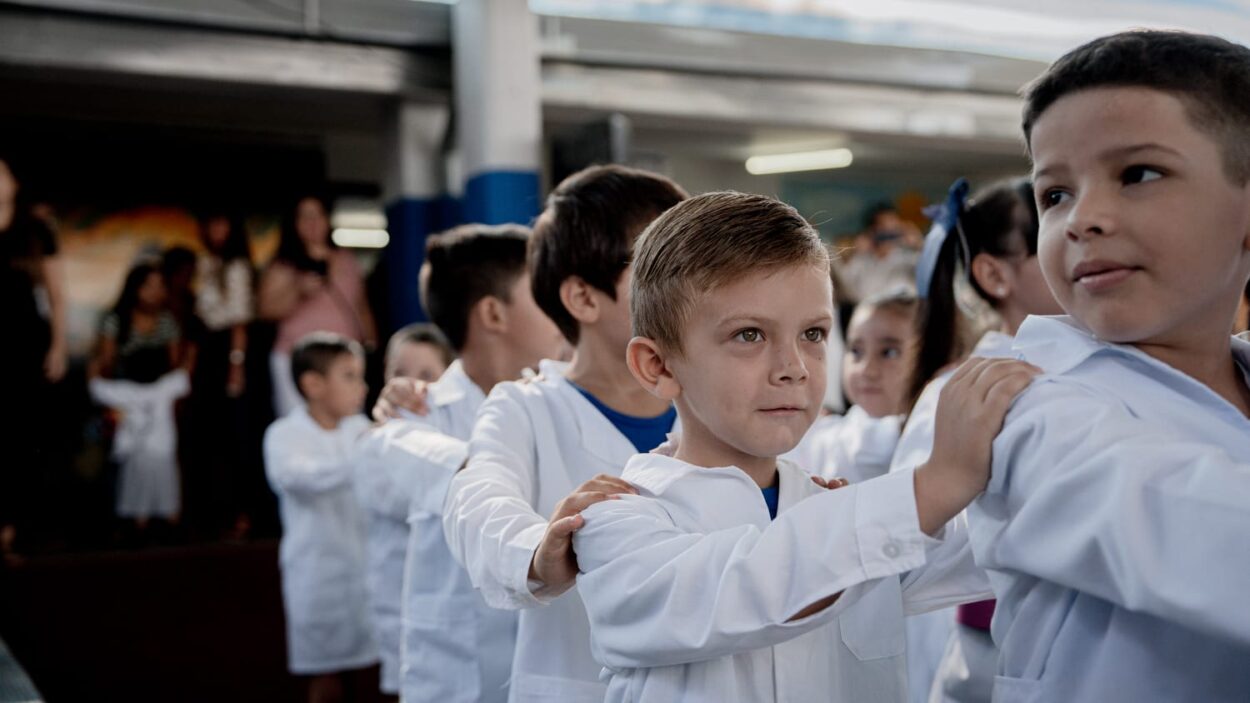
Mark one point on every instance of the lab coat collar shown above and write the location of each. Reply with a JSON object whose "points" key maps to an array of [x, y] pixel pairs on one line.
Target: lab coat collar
{"points": [[454, 386], [993, 345], [1059, 344], [657, 474], [600, 437]]}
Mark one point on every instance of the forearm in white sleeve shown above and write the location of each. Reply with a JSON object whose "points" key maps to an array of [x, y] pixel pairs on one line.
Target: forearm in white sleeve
{"points": [[658, 595]]}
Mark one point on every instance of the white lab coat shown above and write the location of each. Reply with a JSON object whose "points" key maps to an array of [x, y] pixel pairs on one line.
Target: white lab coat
{"points": [[146, 443], [454, 647], [689, 585], [1115, 528], [322, 554], [854, 446], [534, 442], [929, 635]]}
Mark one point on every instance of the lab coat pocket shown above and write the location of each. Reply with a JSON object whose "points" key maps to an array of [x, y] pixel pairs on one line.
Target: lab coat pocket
{"points": [[872, 628], [442, 648], [1013, 690]]}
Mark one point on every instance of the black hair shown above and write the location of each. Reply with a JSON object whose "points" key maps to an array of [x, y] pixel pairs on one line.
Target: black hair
{"points": [[291, 248], [316, 351], [236, 245], [588, 229], [989, 225], [466, 264], [1211, 75], [875, 212], [176, 258], [128, 299]]}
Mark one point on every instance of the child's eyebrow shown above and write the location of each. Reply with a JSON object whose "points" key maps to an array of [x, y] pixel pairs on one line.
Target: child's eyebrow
{"points": [[1131, 149]]}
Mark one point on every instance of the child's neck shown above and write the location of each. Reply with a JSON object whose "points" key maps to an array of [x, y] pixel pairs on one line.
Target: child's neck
{"points": [[699, 447], [1207, 359], [604, 374], [486, 365], [325, 419]]}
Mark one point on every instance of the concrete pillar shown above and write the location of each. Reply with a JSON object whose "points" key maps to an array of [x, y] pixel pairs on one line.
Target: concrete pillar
{"points": [[416, 200], [498, 109]]}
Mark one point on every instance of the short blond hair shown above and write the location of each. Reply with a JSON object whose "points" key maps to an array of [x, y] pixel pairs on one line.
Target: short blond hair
{"points": [[706, 242]]}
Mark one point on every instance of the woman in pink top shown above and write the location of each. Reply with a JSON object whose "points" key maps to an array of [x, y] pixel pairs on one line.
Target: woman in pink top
{"points": [[311, 286]]}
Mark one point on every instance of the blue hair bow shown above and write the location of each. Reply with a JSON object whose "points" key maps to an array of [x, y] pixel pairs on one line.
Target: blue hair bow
{"points": [[945, 221]]}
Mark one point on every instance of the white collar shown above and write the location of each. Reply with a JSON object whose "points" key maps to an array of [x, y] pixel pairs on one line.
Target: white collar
{"points": [[454, 386]]}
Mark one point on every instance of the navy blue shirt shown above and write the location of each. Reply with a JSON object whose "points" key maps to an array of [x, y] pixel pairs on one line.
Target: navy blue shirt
{"points": [[645, 433], [771, 495]]}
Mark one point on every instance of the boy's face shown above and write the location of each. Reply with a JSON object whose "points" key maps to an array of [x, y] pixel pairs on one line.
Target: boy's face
{"points": [[752, 371], [1143, 237], [341, 390], [531, 335], [878, 359], [419, 360]]}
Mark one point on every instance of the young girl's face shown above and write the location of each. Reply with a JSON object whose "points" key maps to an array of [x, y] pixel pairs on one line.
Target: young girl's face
{"points": [[878, 359], [216, 232], [152, 292]]}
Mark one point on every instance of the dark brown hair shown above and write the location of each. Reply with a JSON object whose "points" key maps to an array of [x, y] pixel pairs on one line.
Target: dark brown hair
{"points": [[588, 230], [1210, 75], [464, 265]]}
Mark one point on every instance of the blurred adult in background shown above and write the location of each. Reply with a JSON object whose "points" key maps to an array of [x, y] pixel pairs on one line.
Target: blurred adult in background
{"points": [[178, 271], [137, 372], [224, 299], [311, 286], [33, 355], [885, 255]]}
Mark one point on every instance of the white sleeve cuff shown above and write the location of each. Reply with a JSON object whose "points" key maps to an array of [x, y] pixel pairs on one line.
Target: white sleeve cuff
{"points": [[887, 526]]}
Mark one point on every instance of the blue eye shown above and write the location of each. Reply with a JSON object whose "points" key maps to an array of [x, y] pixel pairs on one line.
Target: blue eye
{"points": [[892, 353], [749, 335], [1140, 174], [814, 334]]}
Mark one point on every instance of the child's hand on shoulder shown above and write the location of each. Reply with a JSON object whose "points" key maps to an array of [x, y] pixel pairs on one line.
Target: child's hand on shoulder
{"points": [[970, 413], [399, 394], [554, 563]]}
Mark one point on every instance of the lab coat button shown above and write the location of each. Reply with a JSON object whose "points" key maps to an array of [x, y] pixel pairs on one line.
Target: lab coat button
{"points": [[890, 550]]}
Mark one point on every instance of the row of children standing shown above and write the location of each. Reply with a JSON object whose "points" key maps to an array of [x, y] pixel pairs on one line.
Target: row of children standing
{"points": [[1090, 470]]}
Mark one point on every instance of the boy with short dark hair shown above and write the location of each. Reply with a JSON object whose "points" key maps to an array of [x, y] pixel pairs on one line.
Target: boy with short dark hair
{"points": [[443, 641], [1114, 527], [734, 576], [510, 512], [308, 460]]}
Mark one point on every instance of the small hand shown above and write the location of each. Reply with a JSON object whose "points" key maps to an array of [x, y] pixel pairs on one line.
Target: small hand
{"points": [[401, 393], [832, 484], [554, 563]]}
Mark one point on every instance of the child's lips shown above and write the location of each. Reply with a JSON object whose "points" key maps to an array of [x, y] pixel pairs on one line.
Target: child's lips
{"points": [[1098, 276], [783, 411]]}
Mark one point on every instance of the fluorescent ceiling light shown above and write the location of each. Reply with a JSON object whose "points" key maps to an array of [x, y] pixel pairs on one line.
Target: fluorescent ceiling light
{"points": [[360, 238], [799, 161]]}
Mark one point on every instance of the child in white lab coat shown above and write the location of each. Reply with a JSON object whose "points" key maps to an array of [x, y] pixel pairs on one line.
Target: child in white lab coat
{"points": [[988, 244], [447, 645], [543, 450], [735, 577], [880, 347], [1114, 524], [416, 351], [308, 460]]}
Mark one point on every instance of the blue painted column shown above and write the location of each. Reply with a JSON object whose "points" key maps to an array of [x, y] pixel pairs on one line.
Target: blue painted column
{"points": [[416, 200], [498, 109]]}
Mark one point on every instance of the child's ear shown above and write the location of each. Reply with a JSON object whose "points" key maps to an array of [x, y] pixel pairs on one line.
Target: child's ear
{"points": [[578, 297], [648, 364], [993, 275], [311, 384], [492, 314]]}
